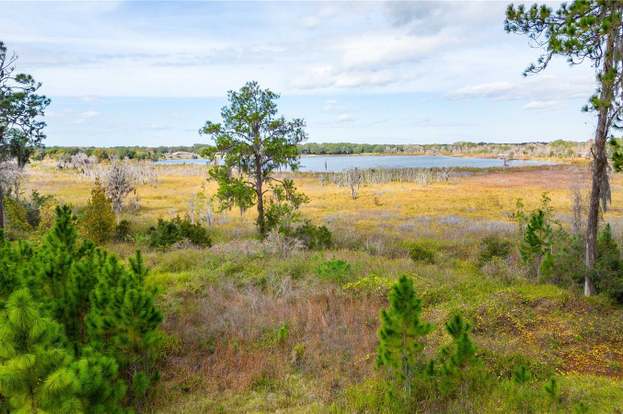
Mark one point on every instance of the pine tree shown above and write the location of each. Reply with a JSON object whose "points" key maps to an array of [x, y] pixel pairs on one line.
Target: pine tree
{"points": [[98, 220], [537, 240], [124, 320], [58, 252], [462, 350], [91, 309], [34, 374], [399, 348], [100, 389]]}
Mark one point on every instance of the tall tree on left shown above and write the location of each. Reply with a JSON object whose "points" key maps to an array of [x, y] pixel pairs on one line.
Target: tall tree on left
{"points": [[21, 119]]}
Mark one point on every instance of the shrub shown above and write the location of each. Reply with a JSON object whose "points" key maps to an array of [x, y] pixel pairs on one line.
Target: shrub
{"points": [[39, 210], [335, 270], [123, 231], [168, 232], [16, 218], [26, 215], [420, 253], [98, 219], [608, 272], [494, 247], [313, 237]]}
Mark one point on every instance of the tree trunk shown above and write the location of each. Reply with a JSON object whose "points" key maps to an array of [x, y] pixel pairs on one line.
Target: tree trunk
{"points": [[599, 167], [259, 190], [1, 210], [261, 221]]}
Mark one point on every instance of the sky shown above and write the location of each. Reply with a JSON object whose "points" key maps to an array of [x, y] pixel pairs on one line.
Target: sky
{"points": [[152, 73]]}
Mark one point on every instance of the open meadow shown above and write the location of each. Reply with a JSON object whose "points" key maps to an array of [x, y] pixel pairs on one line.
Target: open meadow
{"points": [[260, 327], [310, 207]]}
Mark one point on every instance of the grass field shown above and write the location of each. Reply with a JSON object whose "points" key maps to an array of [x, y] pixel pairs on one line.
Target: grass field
{"points": [[253, 331]]}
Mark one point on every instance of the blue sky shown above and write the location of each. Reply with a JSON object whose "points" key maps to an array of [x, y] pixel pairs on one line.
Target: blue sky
{"points": [[151, 73]]}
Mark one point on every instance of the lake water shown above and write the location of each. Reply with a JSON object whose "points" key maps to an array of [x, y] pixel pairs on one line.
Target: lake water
{"points": [[319, 163]]}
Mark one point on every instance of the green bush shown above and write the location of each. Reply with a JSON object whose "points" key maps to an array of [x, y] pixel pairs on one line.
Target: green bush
{"points": [[168, 232], [27, 215], [313, 237], [98, 219], [335, 270], [494, 247], [123, 231], [608, 271], [420, 253]]}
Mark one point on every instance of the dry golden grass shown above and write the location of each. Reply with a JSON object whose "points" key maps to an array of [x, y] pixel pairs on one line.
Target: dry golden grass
{"points": [[490, 196]]}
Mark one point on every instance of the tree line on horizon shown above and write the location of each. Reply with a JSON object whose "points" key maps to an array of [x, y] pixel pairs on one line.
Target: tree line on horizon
{"points": [[555, 149]]}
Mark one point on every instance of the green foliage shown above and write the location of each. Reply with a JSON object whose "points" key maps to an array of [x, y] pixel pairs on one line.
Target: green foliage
{"points": [[421, 253], [21, 112], [608, 271], [461, 351], [521, 374], [537, 232], [334, 270], [25, 216], [16, 215], [99, 388], [34, 364], [400, 346], [123, 231], [91, 341], [313, 237], [552, 389], [168, 232], [98, 219], [616, 151], [123, 322], [282, 334], [254, 142], [494, 247], [283, 207]]}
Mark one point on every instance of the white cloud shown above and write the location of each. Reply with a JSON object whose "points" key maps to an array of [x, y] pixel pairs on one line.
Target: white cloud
{"points": [[345, 118], [487, 90], [388, 48], [538, 105], [89, 114]]}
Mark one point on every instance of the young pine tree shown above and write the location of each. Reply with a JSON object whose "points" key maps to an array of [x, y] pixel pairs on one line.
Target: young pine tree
{"points": [[462, 350], [98, 220], [399, 348], [100, 389], [537, 240], [34, 374], [123, 322]]}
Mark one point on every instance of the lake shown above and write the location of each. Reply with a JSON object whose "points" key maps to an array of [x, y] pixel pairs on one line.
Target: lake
{"points": [[333, 163]]}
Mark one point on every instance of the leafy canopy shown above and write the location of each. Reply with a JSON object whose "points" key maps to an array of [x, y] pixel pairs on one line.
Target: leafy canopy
{"points": [[21, 109], [254, 142]]}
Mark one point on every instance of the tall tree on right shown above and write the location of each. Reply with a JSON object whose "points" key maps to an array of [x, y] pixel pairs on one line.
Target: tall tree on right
{"points": [[583, 31]]}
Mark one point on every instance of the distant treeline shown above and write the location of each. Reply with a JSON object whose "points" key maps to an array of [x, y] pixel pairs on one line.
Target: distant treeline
{"points": [[556, 149], [107, 153]]}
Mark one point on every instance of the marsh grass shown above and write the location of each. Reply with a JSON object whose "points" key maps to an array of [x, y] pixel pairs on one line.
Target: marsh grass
{"points": [[225, 305]]}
